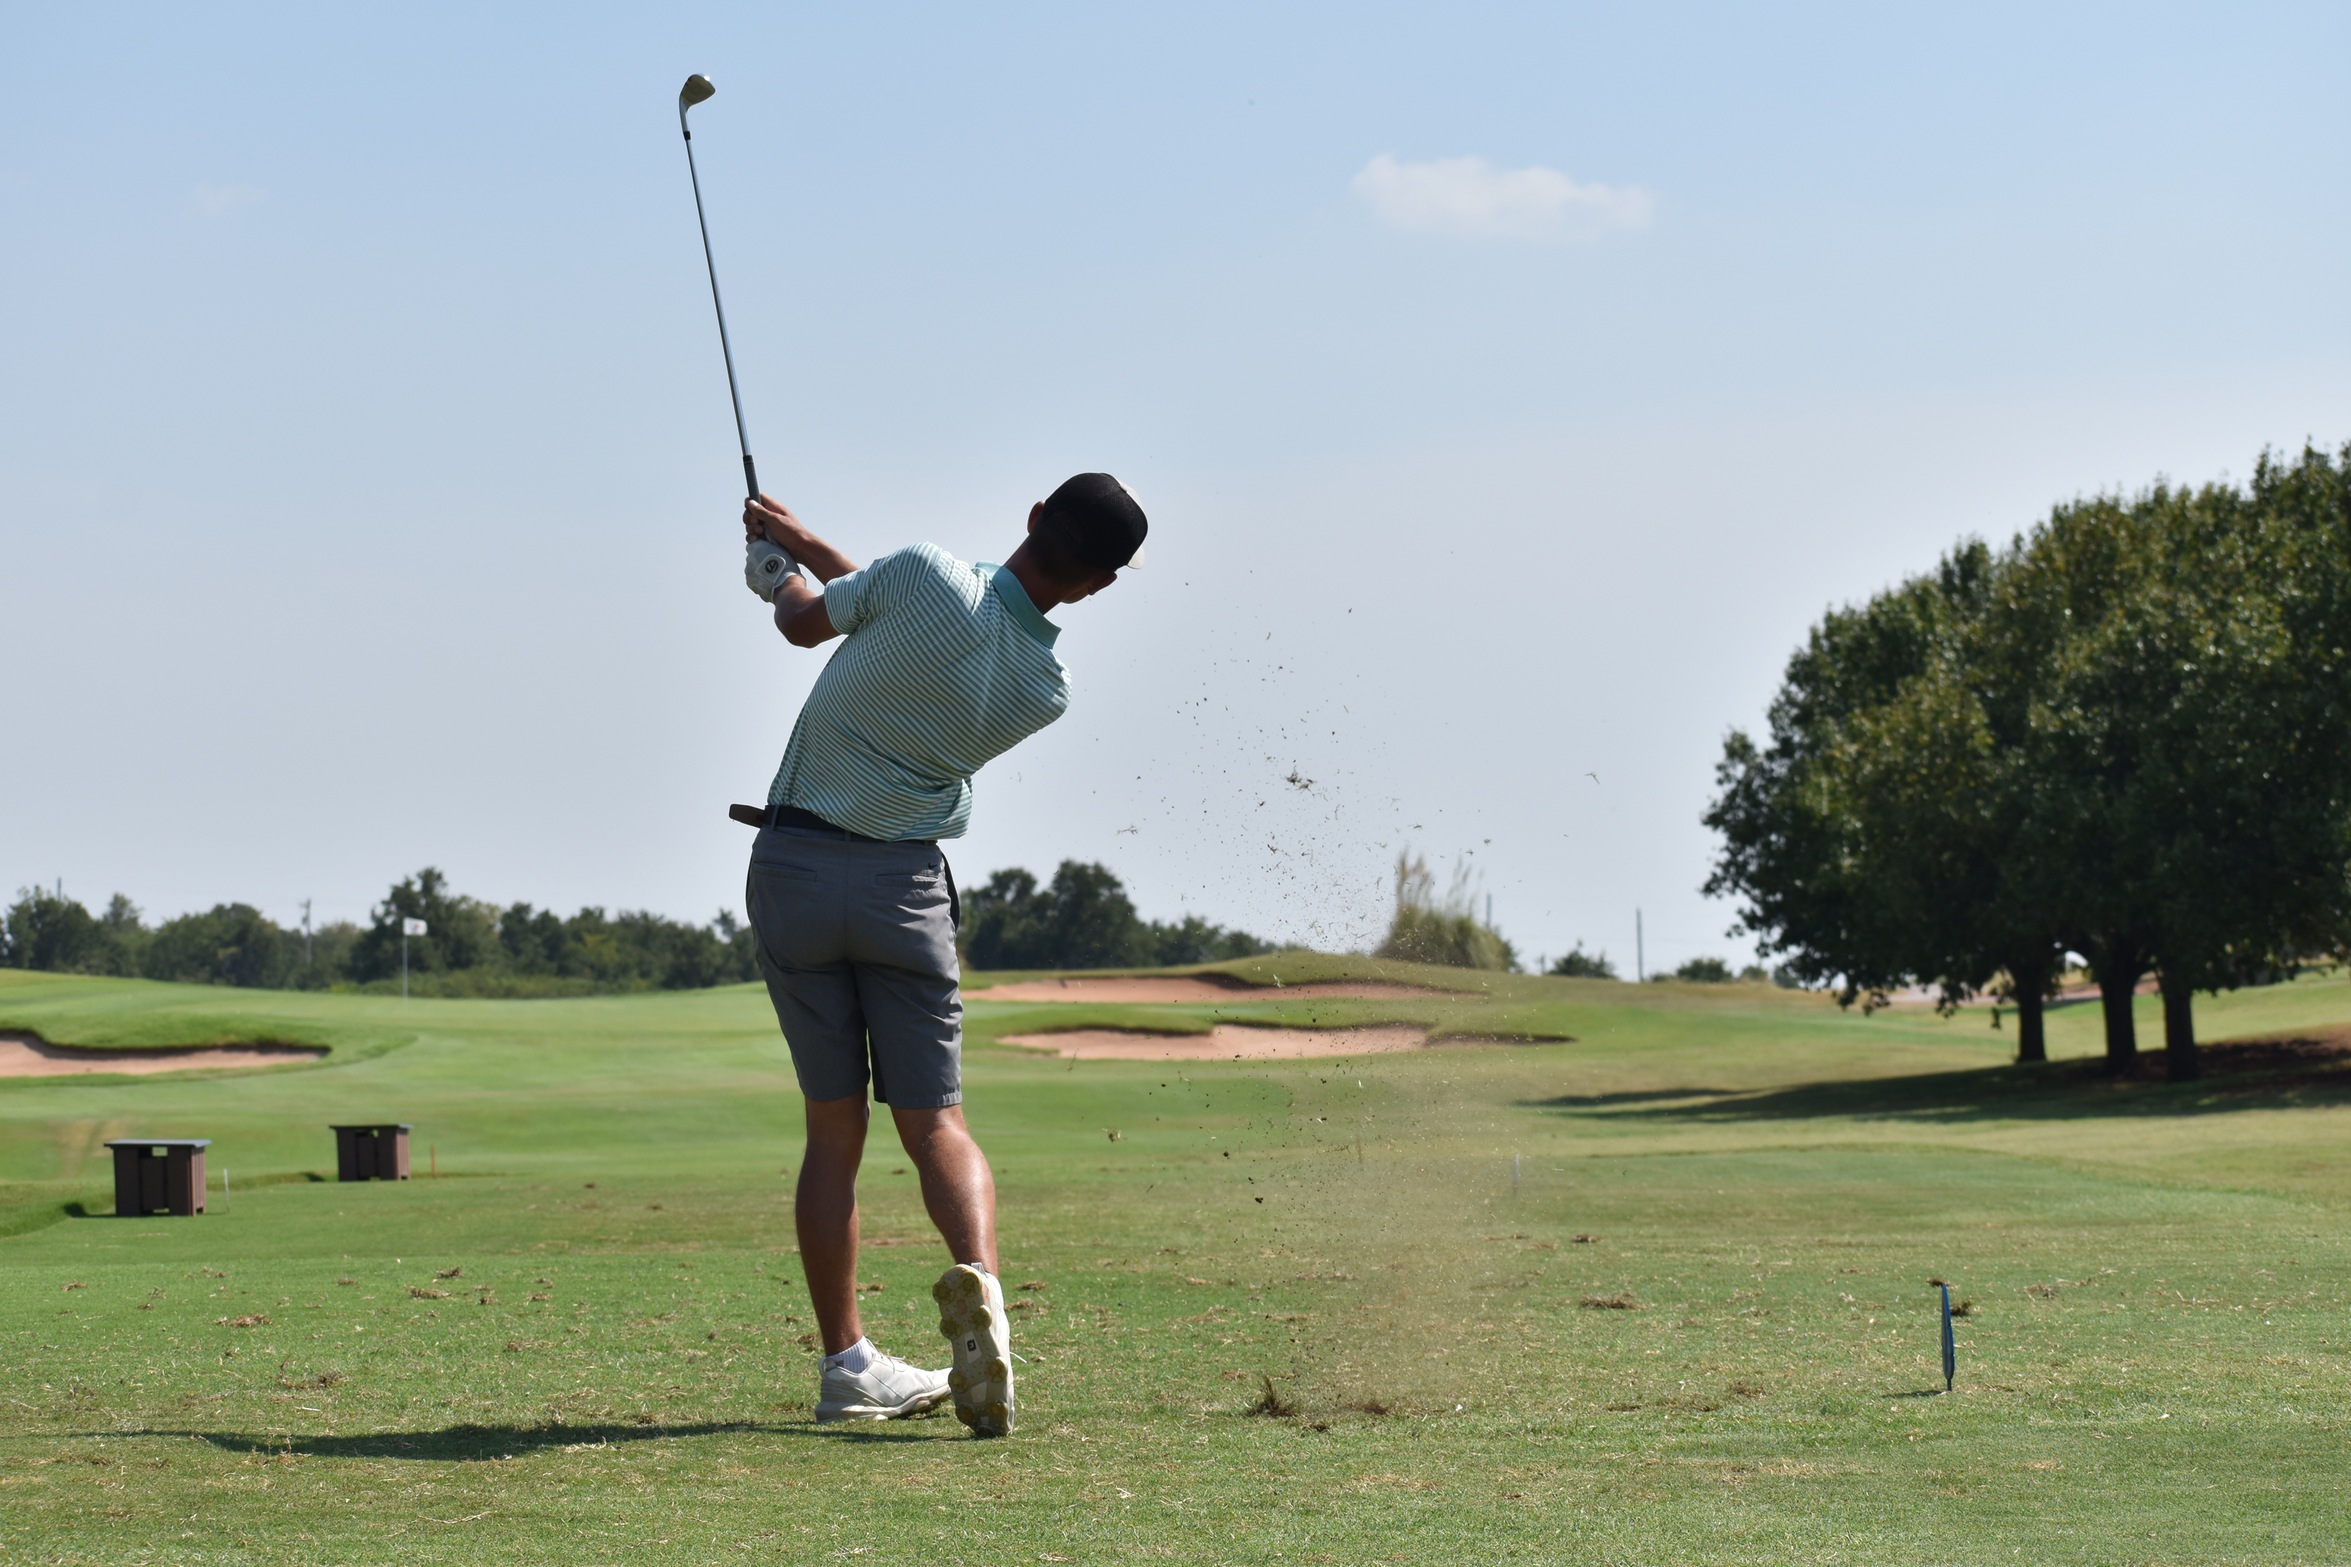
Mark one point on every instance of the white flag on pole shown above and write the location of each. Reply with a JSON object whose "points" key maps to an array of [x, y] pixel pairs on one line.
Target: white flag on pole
{"points": [[409, 927]]}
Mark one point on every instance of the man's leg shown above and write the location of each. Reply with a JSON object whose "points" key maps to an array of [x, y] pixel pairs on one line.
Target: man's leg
{"points": [[824, 1209], [909, 986], [797, 890], [958, 1188], [960, 1191]]}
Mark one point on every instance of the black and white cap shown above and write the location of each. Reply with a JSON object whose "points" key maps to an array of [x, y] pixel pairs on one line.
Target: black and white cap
{"points": [[1099, 520]]}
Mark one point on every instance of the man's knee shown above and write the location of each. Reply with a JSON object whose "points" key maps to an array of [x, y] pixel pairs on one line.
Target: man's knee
{"points": [[927, 1126], [937, 1139]]}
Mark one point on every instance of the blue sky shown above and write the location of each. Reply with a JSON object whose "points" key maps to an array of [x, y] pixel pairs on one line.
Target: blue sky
{"points": [[1510, 388]]}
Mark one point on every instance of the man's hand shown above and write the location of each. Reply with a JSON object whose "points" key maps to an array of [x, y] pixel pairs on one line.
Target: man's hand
{"points": [[761, 510], [768, 524], [765, 567], [765, 517]]}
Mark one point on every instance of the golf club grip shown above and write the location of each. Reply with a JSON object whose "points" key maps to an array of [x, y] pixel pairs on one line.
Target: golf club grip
{"points": [[751, 478]]}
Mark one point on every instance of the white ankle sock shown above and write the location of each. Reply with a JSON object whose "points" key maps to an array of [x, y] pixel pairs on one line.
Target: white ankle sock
{"points": [[854, 1359]]}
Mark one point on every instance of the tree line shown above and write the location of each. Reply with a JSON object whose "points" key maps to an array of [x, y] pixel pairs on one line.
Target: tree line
{"points": [[2125, 735], [1083, 918], [471, 947]]}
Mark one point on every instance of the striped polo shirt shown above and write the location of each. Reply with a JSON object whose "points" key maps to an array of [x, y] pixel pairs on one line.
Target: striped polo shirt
{"points": [[942, 668]]}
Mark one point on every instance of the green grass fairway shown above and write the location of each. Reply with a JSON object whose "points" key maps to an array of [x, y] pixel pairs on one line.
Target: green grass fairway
{"points": [[1696, 1329]]}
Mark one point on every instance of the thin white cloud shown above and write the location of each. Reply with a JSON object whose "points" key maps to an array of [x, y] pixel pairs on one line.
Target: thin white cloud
{"points": [[218, 201], [1471, 196]]}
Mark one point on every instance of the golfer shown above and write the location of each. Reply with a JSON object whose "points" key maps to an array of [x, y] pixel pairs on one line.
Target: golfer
{"points": [[942, 667]]}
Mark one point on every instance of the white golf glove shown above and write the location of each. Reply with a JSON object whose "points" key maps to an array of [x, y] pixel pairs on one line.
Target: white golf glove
{"points": [[765, 566]]}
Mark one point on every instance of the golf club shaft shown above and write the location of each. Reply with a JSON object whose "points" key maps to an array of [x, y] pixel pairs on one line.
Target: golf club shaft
{"points": [[750, 471]]}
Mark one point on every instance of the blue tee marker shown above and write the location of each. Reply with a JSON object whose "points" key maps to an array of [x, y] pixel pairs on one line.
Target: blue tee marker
{"points": [[1950, 1352]]}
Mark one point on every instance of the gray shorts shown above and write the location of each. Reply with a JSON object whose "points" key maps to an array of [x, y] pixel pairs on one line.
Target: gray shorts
{"points": [[857, 944]]}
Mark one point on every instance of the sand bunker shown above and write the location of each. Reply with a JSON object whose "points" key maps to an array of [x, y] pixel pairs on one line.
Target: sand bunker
{"points": [[1189, 988], [29, 1055], [1225, 1042]]}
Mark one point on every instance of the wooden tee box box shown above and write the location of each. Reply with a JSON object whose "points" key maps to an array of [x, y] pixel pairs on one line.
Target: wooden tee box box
{"points": [[158, 1175], [377, 1151]]}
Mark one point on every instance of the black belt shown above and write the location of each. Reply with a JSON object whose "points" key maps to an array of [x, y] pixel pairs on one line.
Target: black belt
{"points": [[806, 821], [809, 821]]}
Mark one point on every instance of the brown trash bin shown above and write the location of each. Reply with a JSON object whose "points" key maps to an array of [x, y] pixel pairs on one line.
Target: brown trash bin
{"points": [[158, 1175], [376, 1152]]}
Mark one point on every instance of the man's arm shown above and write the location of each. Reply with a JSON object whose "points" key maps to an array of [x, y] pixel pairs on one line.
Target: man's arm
{"points": [[771, 519], [799, 609], [801, 615]]}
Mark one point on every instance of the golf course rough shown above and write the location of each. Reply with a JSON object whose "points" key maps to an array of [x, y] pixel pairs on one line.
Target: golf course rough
{"points": [[1285, 1310]]}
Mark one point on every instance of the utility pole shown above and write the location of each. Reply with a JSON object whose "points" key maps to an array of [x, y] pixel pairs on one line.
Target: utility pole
{"points": [[1489, 911], [306, 933], [1640, 963]]}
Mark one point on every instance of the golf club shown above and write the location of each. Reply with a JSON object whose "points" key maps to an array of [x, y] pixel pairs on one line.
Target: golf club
{"points": [[696, 90]]}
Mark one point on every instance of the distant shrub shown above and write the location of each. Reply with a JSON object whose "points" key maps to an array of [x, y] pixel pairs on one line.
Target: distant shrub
{"points": [[1705, 971], [1579, 964], [1429, 929]]}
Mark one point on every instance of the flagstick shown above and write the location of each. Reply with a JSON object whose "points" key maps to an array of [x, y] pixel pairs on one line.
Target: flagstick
{"points": [[409, 926]]}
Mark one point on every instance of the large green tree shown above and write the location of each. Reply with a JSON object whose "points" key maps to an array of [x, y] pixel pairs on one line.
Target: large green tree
{"points": [[2129, 734], [2190, 736], [1871, 837]]}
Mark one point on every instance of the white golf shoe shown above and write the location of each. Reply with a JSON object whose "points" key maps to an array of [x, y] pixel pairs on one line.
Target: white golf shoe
{"points": [[972, 1316], [887, 1389]]}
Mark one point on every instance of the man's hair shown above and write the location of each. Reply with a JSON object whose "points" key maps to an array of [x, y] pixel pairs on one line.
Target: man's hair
{"points": [[1089, 525], [1057, 559]]}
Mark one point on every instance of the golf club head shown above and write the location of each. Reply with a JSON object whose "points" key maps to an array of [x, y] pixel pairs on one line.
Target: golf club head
{"points": [[696, 90]]}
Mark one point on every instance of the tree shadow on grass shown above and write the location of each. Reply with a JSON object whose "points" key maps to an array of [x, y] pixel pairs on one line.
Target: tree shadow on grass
{"points": [[463, 1443], [1629, 1097], [2250, 1074]]}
